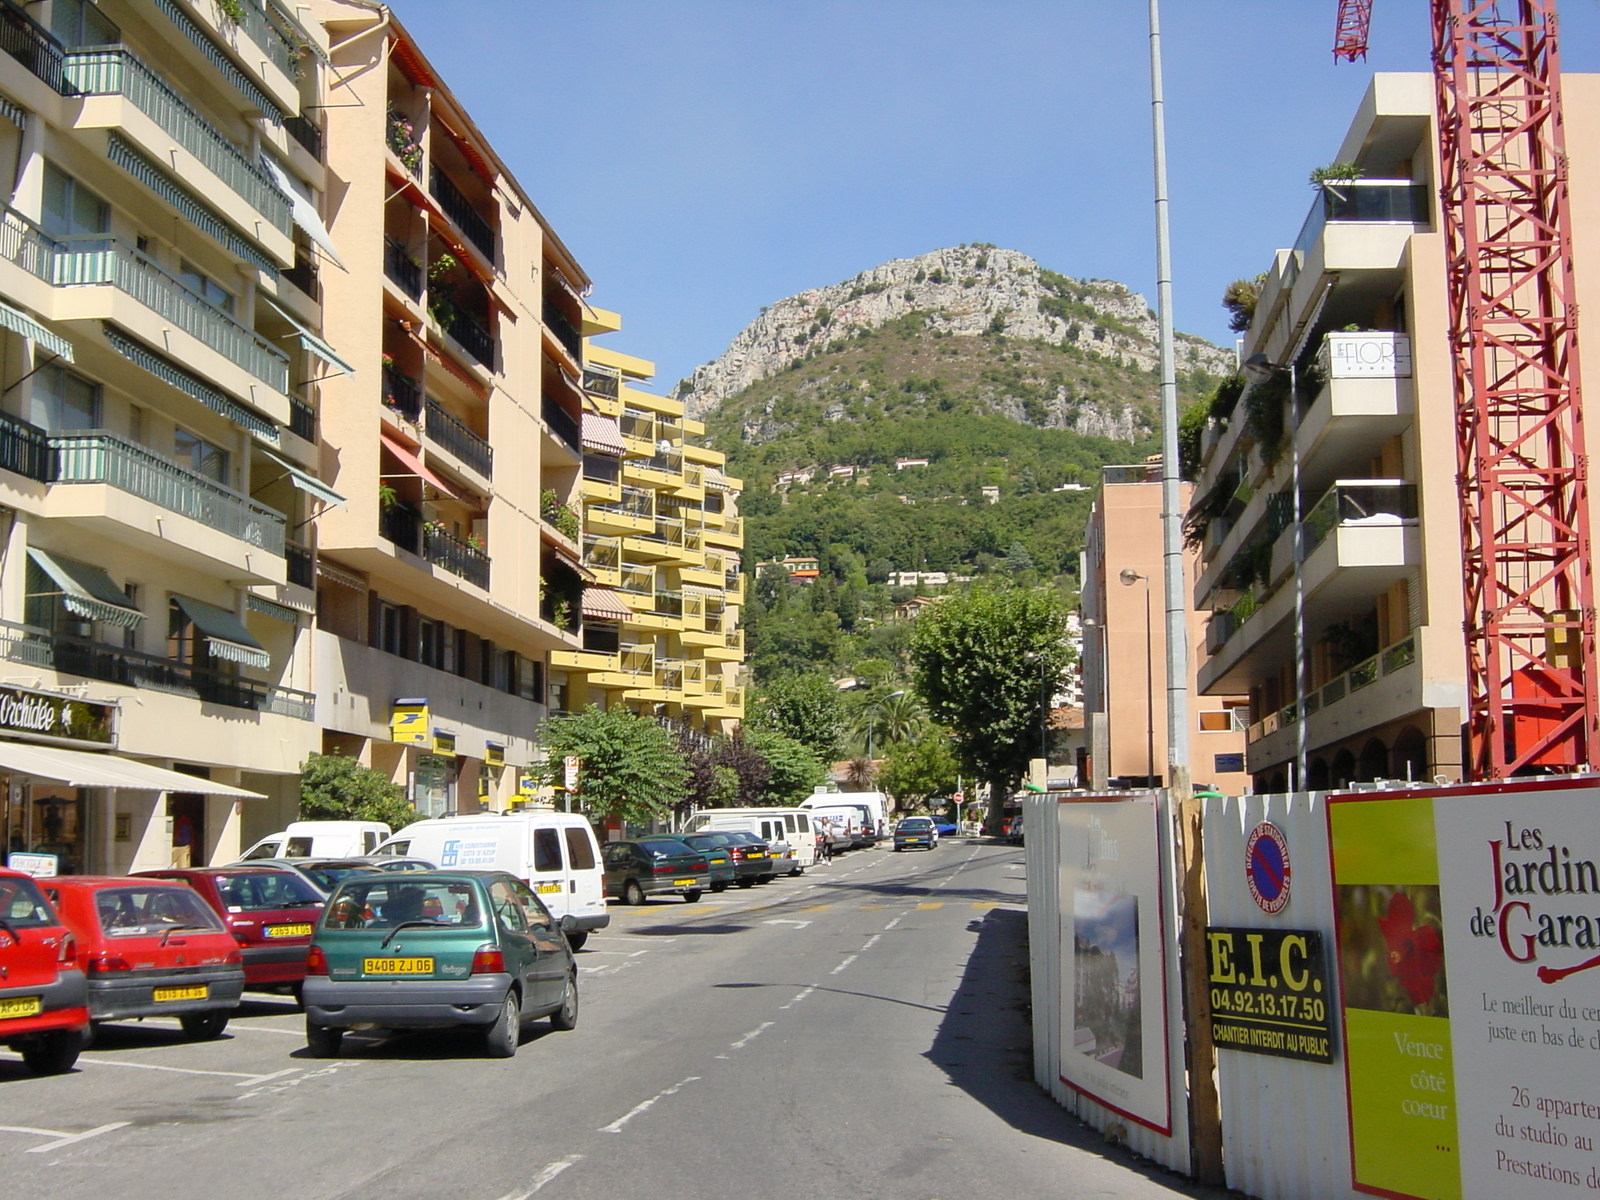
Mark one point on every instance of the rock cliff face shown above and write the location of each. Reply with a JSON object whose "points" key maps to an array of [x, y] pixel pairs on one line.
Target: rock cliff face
{"points": [[968, 290]]}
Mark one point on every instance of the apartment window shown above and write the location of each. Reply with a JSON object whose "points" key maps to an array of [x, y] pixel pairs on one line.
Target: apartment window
{"points": [[449, 642], [70, 209], [389, 628], [207, 288], [503, 668], [61, 402], [187, 644], [81, 23], [200, 456], [713, 501], [529, 681], [428, 642], [136, 424]]}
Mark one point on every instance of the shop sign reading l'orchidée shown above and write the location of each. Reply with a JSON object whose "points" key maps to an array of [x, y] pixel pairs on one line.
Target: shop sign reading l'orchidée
{"points": [[52, 717]]}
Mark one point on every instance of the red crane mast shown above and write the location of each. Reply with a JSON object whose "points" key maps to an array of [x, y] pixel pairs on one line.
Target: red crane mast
{"points": [[1507, 214]]}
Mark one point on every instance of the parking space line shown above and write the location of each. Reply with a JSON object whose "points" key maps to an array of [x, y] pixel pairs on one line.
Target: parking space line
{"points": [[274, 1075], [644, 1106], [112, 1062], [70, 1138]]}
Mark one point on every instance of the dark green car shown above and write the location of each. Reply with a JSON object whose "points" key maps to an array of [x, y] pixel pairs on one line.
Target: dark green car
{"points": [[430, 949]]}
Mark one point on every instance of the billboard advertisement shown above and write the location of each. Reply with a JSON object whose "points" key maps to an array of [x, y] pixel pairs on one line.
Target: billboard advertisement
{"points": [[1113, 959], [1468, 952]]}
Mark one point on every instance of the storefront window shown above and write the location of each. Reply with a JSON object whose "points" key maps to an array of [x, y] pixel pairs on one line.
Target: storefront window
{"points": [[45, 819], [434, 785]]}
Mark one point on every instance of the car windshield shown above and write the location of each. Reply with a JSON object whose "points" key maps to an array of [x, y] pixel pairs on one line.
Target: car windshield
{"points": [[387, 901], [916, 824], [328, 876], [666, 848], [261, 890], [133, 911], [22, 904]]}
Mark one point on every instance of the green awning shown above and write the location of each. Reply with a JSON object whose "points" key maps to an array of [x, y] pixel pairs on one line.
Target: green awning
{"points": [[304, 480], [225, 634], [87, 591], [308, 340], [20, 322]]}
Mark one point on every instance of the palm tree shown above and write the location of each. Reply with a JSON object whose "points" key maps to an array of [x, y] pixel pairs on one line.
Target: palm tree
{"points": [[893, 718], [860, 772]]}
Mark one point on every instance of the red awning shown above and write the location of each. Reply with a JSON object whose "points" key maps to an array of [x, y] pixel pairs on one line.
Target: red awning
{"points": [[409, 459], [603, 604], [602, 435]]}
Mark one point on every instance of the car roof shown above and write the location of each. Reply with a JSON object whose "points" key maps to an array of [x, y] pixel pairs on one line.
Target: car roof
{"points": [[467, 873], [98, 881], [237, 869]]}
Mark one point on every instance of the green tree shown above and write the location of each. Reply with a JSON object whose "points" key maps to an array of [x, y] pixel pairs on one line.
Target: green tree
{"points": [[336, 787], [983, 661], [628, 765], [793, 771], [920, 768], [804, 707]]}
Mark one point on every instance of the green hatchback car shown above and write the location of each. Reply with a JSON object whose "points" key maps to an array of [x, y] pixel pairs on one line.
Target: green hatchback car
{"points": [[431, 949]]}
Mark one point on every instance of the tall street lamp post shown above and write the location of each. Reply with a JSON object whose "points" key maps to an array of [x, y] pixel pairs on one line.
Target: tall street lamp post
{"points": [[1130, 577]]}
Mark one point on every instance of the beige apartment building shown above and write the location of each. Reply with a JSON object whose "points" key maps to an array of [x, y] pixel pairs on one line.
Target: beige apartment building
{"points": [[663, 538], [1124, 648], [453, 571], [156, 455], [1358, 305]]}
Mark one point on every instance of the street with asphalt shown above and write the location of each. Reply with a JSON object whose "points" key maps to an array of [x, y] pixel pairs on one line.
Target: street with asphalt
{"points": [[858, 1032]]}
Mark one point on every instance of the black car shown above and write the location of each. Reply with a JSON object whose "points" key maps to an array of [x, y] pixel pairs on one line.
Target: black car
{"points": [[750, 854], [651, 866], [719, 857], [767, 862]]}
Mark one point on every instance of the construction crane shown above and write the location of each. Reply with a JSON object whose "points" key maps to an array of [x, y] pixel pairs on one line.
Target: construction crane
{"points": [[1529, 617]]}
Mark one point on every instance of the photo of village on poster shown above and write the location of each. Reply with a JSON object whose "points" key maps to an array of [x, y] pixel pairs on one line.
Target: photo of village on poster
{"points": [[1114, 1047], [1469, 955]]}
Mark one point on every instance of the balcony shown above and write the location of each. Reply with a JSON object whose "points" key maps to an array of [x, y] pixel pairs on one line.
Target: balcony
{"points": [[87, 659], [29, 43], [453, 435], [1368, 398], [25, 449], [638, 581], [563, 518], [302, 565], [563, 329], [307, 133], [401, 269], [471, 334], [100, 262], [639, 424], [1380, 505], [402, 525], [1358, 224], [602, 381], [402, 394], [117, 71], [459, 209], [444, 549], [563, 425], [304, 275], [101, 457], [302, 419], [601, 468], [264, 32]]}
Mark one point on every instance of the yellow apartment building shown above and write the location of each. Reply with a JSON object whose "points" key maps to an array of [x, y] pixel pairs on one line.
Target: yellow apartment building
{"points": [[663, 539], [454, 571], [157, 461]]}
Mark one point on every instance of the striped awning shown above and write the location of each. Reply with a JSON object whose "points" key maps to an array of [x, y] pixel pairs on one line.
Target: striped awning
{"points": [[602, 435], [603, 604], [86, 590], [18, 321], [225, 634]]}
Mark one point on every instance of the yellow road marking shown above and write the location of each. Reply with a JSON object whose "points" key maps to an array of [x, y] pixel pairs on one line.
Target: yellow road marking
{"points": [[932, 904], [870, 907], [986, 904], [814, 908]]}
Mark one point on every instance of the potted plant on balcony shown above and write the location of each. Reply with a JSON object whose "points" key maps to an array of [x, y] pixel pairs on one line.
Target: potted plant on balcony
{"points": [[387, 497], [443, 310], [404, 142]]}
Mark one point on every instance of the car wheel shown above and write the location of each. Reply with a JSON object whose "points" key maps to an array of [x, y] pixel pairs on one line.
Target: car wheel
{"points": [[632, 893], [577, 938], [202, 1026], [796, 872], [501, 1038], [323, 1041], [897, 849], [566, 1017], [692, 895], [745, 881], [52, 1053], [720, 886], [297, 993], [90, 1032]]}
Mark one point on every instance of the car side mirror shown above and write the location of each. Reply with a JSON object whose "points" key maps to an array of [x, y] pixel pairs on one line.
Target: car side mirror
{"points": [[569, 924]]}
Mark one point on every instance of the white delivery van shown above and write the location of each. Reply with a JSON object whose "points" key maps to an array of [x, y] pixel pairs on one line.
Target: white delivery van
{"points": [[848, 823], [791, 825], [320, 839], [556, 853]]}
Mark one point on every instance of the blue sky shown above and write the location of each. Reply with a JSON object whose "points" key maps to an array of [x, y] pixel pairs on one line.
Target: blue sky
{"points": [[703, 158]]}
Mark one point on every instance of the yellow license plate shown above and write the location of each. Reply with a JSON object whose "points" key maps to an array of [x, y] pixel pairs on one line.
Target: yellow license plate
{"points": [[756, 854], [397, 966], [683, 883], [162, 995], [277, 931], [22, 1006], [544, 889]]}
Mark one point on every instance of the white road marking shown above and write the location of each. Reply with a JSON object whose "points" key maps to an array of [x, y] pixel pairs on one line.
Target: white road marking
{"points": [[787, 921], [751, 1036], [632, 937], [274, 1075], [112, 1062], [870, 941], [542, 1178], [68, 1138], [791, 1003], [643, 1107], [843, 965], [49, 1133], [623, 953], [895, 922]]}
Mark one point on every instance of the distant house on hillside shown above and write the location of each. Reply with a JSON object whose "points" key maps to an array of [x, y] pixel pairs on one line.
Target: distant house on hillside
{"points": [[900, 464], [841, 472], [991, 494], [1071, 487], [801, 570], [915, 607], [803, 475]]}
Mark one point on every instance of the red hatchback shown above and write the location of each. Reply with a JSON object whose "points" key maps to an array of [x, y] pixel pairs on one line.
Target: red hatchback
{"points": [[270, 912], [43, 998], [151, 948]]}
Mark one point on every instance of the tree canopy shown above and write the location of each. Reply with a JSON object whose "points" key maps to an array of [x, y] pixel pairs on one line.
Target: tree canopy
{"points": [[336, 787], [804, 707], [920, 768], [628, 764]]}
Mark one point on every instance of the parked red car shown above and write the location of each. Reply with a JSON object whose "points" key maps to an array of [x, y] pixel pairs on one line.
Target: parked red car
{"points": [[43, 998], [151, 948], [270, 912]]}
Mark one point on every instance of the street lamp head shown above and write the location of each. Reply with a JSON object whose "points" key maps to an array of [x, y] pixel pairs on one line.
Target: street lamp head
{"points": [[1130, 577]]}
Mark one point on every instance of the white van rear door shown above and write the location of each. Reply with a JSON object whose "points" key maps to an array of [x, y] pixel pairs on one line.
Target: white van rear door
{"points": [[586, 884], [548, 876]]}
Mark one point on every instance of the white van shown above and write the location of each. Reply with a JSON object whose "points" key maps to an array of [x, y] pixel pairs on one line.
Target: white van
{"points": [[849, 823], [791, 825], [320, 839], [877, 804], [556, 853]]}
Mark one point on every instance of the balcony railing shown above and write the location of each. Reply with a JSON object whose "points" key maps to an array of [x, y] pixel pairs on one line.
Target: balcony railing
{"points": [[116, 70], [1375, 201], [304, 275], [307, 133], [565, 333], [1365, 673], [265, 33], [601, 382], [453, 435], [87, 659], [302, 566], [403, 271], [27, 41], [1355, 502], [444, 549], [100, 457], [402, 393], [638, 581], [604, 553], [459, 209], [302, 419], [563, 424], [668, 604], [637, 423], [473, 336], [601, 468], [402, 525], [25, 449], [95, 261]]}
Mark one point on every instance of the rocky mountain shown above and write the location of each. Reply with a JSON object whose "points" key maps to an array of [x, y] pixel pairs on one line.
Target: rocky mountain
{"points": [[964, 291]]}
